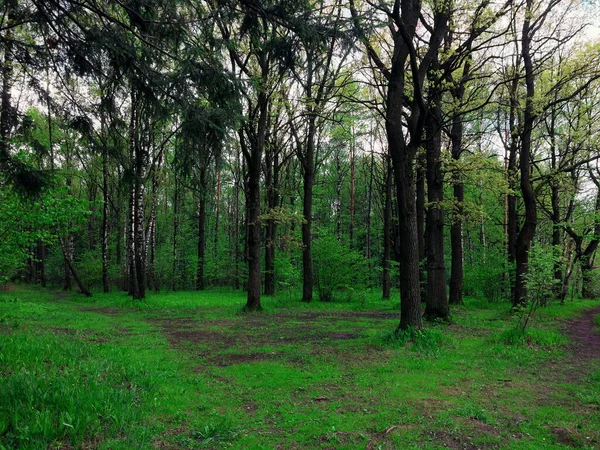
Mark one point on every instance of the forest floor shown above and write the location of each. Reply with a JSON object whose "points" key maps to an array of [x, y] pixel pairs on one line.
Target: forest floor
{"points": [[188, 370]]}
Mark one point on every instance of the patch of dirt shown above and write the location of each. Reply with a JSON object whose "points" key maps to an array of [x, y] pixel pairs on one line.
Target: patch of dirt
{"points": [[566, 437], [585, 339], [448, 440]]}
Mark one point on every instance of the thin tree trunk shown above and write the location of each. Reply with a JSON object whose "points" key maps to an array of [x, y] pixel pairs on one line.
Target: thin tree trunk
{"points": [[352, 189], [200, 283], [387, 226], [308, 165], [217, 215], [85, 291], [105, 281], [338, 204], [175, 234]]}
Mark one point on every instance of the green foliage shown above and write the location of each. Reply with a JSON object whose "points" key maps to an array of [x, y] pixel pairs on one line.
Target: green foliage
{"points": [[337, 268], [540, 279], [428, 341], [487, 276], [25, 221]]}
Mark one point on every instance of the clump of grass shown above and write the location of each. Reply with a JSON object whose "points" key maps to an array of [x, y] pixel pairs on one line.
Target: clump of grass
{"points": [[52, 391], [544, 338], [428, 341], [214, 433]]}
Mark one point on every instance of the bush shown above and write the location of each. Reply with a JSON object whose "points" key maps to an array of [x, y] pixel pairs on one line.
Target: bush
{"points": [[337, 268]]}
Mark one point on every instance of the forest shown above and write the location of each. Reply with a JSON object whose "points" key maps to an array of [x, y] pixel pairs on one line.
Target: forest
{"points": [[298, 194]]}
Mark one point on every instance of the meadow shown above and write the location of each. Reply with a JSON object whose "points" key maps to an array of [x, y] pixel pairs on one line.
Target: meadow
{"points": [[188, 370]]}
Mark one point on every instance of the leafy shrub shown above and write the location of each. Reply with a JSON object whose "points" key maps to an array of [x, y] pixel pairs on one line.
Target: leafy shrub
{"points": [[337, 268]]}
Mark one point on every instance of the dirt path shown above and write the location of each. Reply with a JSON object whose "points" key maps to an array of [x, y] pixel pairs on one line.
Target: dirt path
{"points": [[584, 335]]}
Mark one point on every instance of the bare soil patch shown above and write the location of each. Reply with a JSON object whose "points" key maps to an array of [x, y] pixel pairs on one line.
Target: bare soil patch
{"points": [[585, 339], [256, 330]]}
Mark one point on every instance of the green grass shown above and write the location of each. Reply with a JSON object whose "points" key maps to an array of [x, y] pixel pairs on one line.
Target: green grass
{"points": [[189, 370]]}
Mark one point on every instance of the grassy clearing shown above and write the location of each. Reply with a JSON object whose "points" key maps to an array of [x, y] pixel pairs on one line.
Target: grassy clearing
{"points": [[187, 370]]}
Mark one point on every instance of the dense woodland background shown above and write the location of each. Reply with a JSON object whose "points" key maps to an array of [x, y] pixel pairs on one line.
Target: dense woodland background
{"points": [[440, 147]]}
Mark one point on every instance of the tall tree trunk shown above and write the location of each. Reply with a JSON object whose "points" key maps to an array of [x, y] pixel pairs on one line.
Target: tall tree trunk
{"points": [[105, 281], [253, 237], [217, 215], [253, 156], [437, 301], [131, 246], [368, 214], [6, 113], [352, 188], [271, 181], [200, 283], [529, 225], [420, 205], [387, 228], [308, 166], [174, 275], [307, 263], [456, 228], [338, 191], [236, 224]]}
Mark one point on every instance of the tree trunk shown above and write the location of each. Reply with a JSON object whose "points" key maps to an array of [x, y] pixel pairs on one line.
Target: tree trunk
{"points": [[308, 165], [387, 226], [437, 301], [456, 228], [271, 181], [307, 263], [175, 234], [105, 281], [253, 238], [529, 226], [352, 189], [217, 215], [200, 286], [85, 291], [6, 113], [421, 221], [338, 191]]}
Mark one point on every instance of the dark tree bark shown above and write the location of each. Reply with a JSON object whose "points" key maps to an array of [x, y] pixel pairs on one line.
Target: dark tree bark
{"points": [[200, 282], [437, 301], [456, 228], [421, 194], [272, 168], [530, 223], [253, 141], [405, 17], [352, 190], [105, 222], [175, 253], [308, 177], [387, 229]]}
